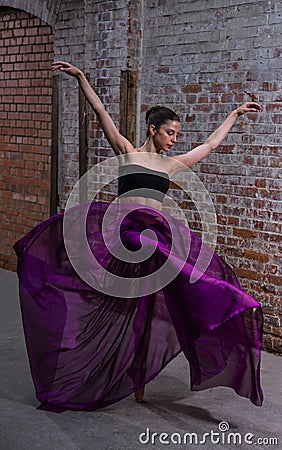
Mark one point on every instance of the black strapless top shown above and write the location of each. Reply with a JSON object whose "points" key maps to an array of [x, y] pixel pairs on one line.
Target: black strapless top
{"points": [[138, 181]]}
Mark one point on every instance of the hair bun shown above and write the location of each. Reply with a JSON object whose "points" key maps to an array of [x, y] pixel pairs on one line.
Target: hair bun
{"points": [[158, 115], [150, 111]]}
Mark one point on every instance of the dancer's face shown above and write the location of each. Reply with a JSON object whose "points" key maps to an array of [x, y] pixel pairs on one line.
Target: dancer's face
{"points": [[166, 136]]}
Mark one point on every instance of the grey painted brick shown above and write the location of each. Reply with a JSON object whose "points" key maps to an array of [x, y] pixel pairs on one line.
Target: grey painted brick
{"points": [[227, 51]]}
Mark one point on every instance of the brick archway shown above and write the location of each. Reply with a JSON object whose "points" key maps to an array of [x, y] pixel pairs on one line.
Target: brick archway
{"points": [[44, 9], [26, 44]]}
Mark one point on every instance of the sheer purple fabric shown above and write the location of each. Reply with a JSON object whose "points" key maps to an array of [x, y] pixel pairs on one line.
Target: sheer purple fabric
{"points": [[88, 349]]}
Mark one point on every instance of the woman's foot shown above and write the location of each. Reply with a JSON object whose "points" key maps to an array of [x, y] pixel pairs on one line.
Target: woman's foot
{"points": [[139, 394]]}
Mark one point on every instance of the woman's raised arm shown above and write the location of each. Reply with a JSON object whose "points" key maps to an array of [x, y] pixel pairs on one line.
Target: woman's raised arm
{"points": [[214, 140], [118, 142]]}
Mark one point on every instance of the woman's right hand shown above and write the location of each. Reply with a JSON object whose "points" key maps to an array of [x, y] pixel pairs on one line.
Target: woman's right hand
{"points": [[248, 107], [66, 67]]}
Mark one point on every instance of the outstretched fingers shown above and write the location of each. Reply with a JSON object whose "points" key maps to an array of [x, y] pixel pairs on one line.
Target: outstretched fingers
{"points": [[252, 106], [60, 65], [65, 67], [249, 107]]}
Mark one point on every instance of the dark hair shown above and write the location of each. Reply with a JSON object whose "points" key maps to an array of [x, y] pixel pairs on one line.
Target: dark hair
{"points": [[158, 115]]}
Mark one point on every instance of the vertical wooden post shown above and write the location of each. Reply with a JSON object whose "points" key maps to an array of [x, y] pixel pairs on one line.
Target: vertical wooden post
{"points": [[128, 105], [54, 148], [83, 145]]}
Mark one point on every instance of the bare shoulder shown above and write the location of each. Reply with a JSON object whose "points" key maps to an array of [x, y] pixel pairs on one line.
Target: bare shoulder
{"points": [[127, 153], [177, 163], [125, 146]]}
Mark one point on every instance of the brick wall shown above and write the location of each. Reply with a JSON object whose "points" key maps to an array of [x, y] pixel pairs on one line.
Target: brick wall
{"points": [[26, 51], [203, 59], [110, 50], [70, 45], [112, 45], [93, 35], [46, 10]]}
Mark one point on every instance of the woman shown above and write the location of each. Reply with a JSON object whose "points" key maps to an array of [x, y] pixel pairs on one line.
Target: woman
{"points": [[89, 348]]}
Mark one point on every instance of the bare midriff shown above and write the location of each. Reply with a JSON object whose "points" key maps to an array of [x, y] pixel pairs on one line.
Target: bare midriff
{"points": [[150, 202]]}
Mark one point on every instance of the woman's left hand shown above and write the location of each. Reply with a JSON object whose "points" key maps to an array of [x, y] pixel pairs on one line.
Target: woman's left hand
{"points": [[66, 67], [248, 107]]}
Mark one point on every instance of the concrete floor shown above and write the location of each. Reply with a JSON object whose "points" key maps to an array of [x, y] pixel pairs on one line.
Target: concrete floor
{"points": [[169, 408]]}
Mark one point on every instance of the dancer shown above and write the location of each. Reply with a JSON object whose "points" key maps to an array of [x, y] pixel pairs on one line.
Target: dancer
{"points": [[88, 348]]}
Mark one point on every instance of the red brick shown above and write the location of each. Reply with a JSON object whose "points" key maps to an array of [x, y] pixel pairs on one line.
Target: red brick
{"points": [[246, 273], [250, 254], [190, 88], [244, 233], [18, 132]]}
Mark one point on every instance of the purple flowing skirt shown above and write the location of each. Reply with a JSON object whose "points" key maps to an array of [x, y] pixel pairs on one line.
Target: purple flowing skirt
{"points": [[91, 342]]}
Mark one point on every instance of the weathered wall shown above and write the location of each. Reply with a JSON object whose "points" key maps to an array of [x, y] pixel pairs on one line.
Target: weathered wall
{"points": [[26, 51], [99, 37], [46, 10], [203, 59]]}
